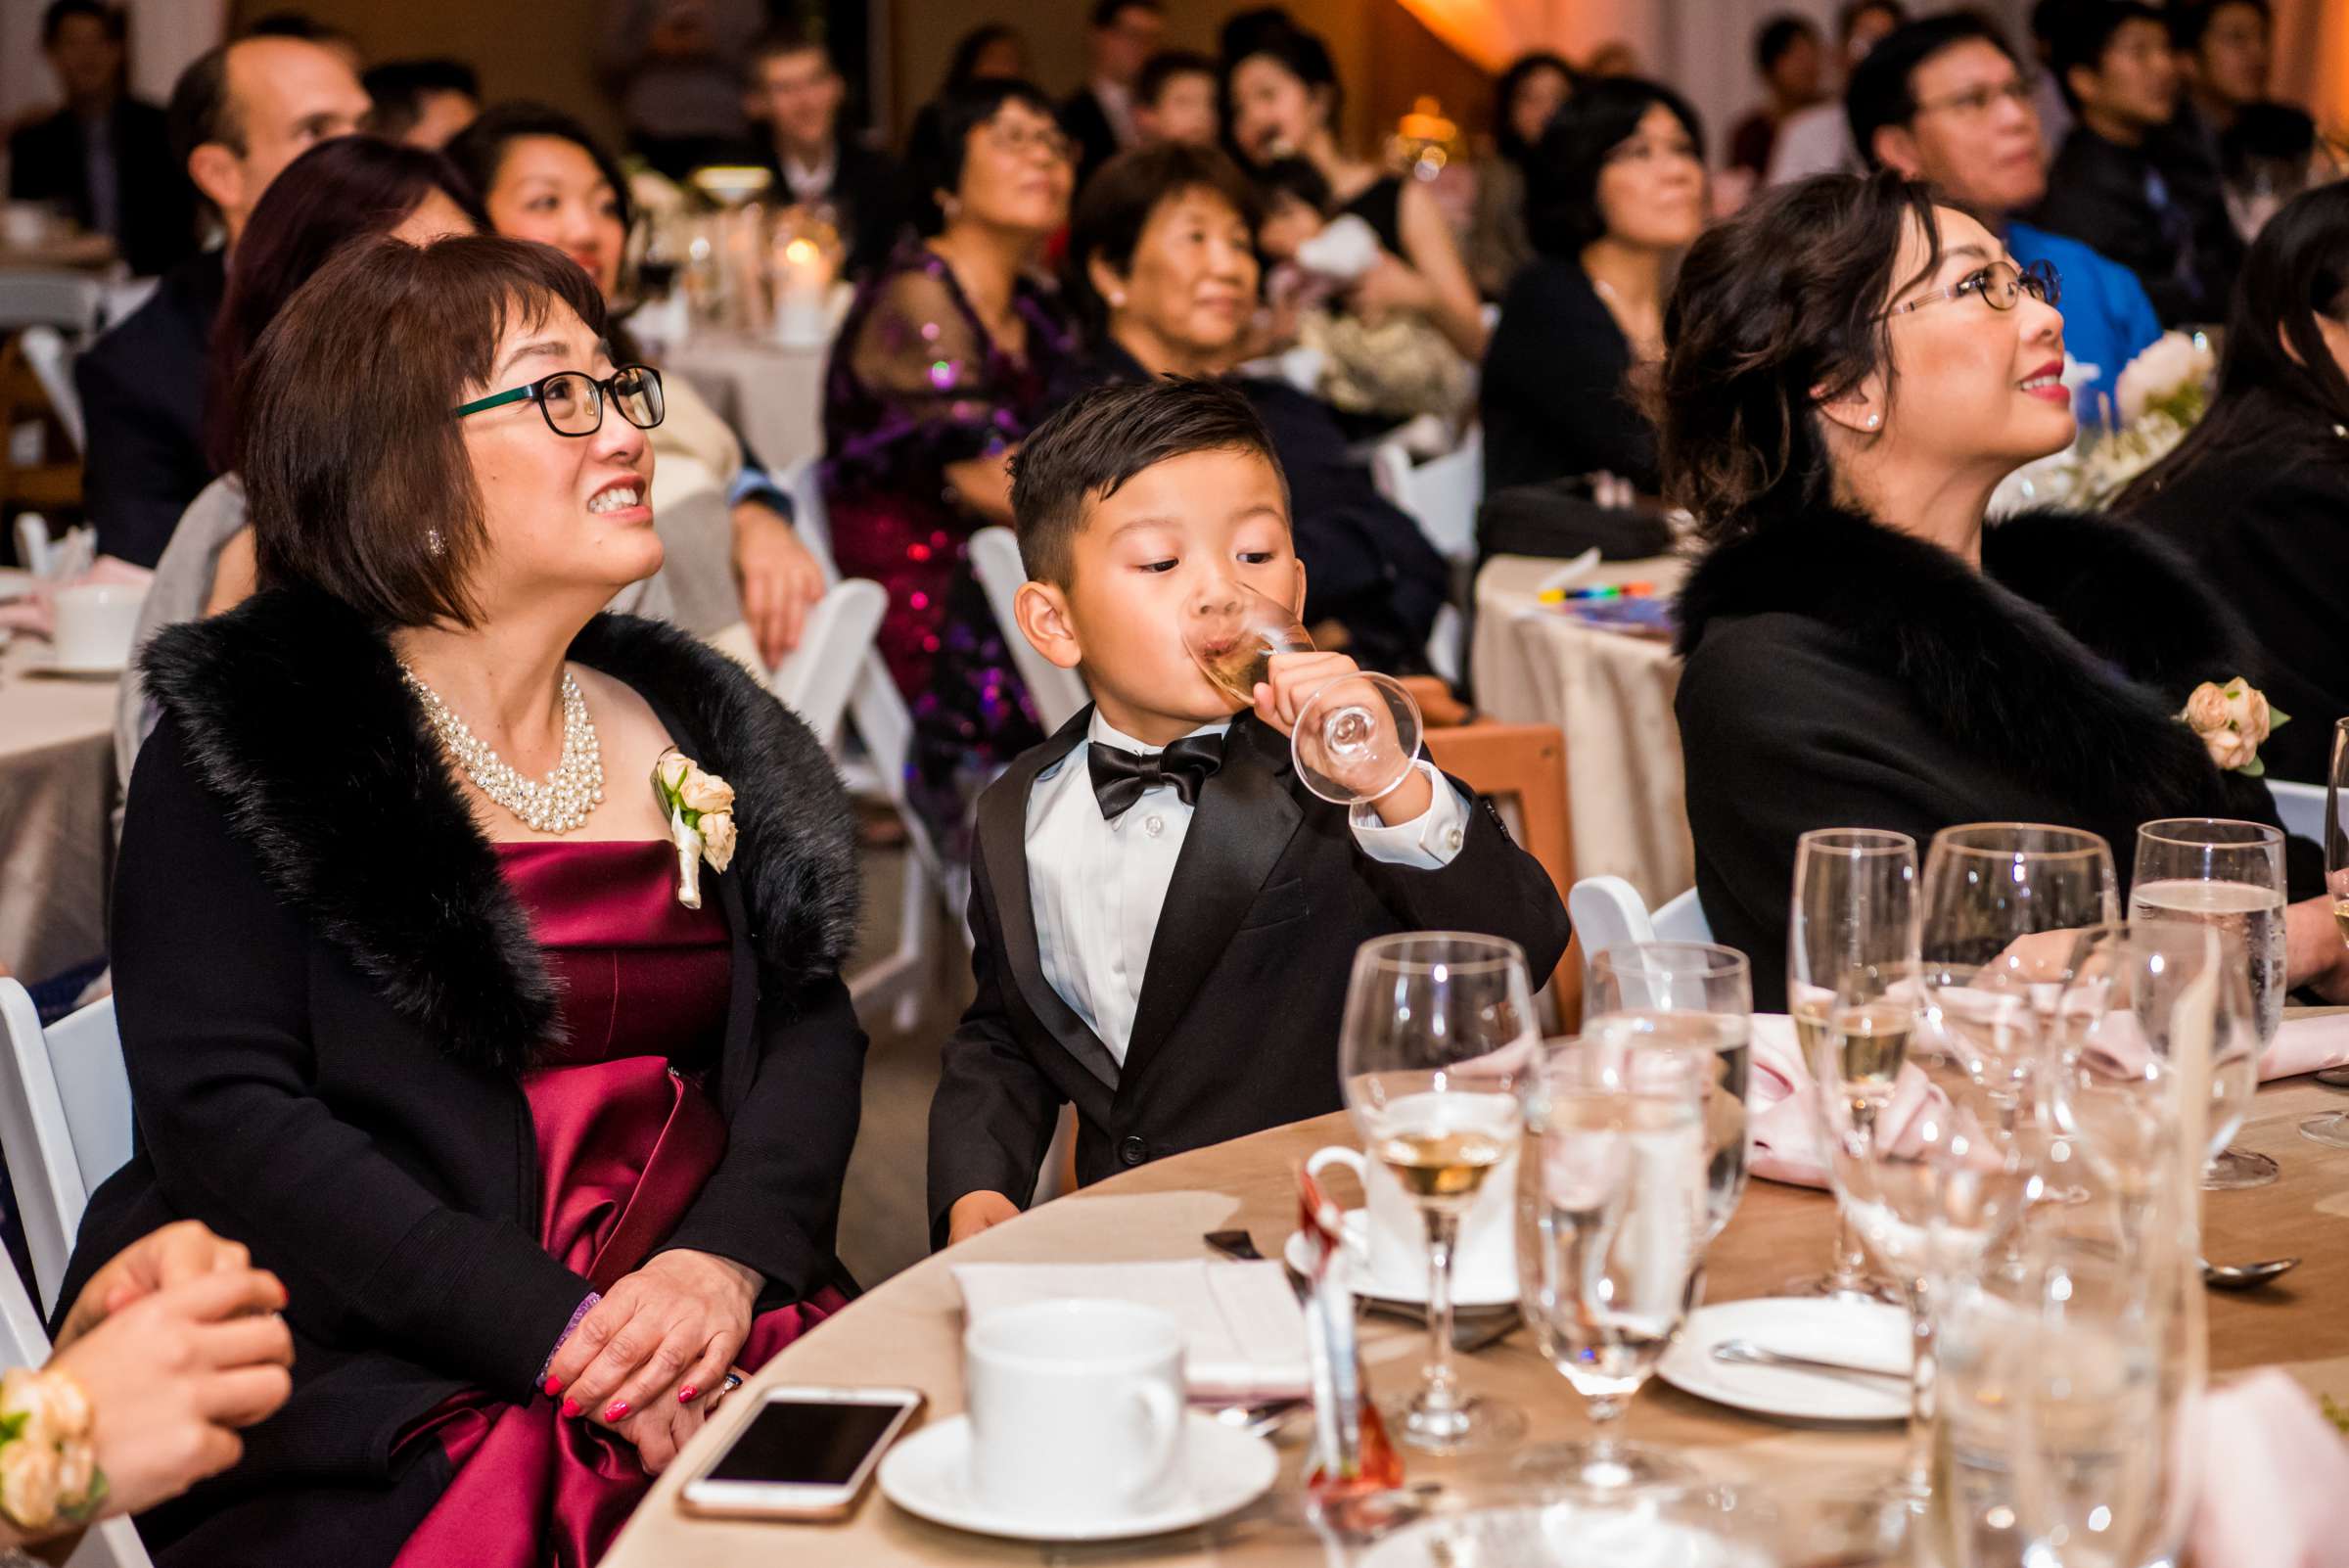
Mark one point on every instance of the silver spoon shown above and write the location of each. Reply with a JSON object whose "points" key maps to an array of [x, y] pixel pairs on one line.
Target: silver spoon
{"points": [[1744, 1353], [2245, 1277]]}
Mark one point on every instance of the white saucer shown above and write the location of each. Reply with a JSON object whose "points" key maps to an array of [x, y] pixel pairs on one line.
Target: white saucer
{"points": [[1224, 1471], [1559, 1533], [1863, 1333], [1356, 1227], [49, 664]]}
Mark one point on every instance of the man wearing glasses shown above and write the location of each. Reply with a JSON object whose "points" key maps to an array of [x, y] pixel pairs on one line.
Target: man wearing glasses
{"points": [[1946, 100]]}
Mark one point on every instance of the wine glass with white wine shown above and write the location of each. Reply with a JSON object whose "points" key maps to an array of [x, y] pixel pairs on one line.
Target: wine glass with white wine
{"points": [[1354, 739], [1438, 1034], [2332, 1128]]}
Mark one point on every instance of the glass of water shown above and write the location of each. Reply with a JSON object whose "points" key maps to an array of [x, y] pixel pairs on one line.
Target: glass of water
{"points": [[1612, 1221], [2226, 875], [1690, 995]]}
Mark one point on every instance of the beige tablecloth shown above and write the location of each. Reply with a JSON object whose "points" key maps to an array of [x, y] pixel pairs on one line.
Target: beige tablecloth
{"points": [[56, 786], [1611, 695], [773, 397]]}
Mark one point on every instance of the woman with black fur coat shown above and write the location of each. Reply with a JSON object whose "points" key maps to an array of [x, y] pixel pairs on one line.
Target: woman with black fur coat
{"points": [[536, 1095], [1850, 370]]}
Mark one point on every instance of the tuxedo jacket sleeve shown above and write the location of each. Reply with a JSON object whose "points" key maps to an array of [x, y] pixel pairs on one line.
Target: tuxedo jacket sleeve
{"points": [[222, 1080], [1491, 884]]}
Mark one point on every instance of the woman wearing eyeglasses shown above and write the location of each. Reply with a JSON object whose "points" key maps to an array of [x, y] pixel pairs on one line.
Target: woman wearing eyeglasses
{"points": [[947, 360], [1849, 372], [412, 1000]]}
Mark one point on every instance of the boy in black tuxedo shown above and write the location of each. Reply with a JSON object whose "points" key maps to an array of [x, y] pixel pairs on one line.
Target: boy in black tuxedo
{"points": [[1164, 916]]}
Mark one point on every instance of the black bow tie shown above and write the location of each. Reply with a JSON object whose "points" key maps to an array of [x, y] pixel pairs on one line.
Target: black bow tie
{"points": [[1121, 777]]}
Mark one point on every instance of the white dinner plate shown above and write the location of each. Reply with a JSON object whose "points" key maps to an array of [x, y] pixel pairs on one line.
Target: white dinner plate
{"points": [[1567, 1533], [1356, 1227], [1863, 1333], [1225, 1469]]}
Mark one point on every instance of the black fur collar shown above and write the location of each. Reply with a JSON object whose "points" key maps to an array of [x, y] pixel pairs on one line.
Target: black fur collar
{"points": [[2067, 655], [293, 713]]}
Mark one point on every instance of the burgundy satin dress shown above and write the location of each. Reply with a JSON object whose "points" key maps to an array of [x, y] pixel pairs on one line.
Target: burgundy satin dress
{"points": [[626, 1140]]}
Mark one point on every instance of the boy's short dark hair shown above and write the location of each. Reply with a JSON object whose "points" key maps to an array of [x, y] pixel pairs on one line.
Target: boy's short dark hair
{"points": [[1293, 179], [1163, 68], [1100, 438], [2084, 33]]}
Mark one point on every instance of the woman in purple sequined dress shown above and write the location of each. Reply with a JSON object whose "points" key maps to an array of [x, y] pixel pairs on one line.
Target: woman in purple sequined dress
{"points": [[944, 363]]}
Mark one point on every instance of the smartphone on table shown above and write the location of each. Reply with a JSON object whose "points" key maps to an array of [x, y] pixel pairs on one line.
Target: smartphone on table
{"points": [[805, 1452]]}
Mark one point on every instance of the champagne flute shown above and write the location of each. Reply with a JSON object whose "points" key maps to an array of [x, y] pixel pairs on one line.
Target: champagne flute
{"points": [[1612, 1224], [1854, 909], [1690, 995], [2332, 1127], [1438, 1033], [2228, 876], [1355, 738]]}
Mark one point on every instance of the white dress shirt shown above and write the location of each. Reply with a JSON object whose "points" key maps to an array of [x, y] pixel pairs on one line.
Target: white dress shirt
{"points": [[1097, 886], [811, 183]]}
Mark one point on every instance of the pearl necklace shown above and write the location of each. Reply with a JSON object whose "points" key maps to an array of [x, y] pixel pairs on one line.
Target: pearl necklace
{"points": [[559, 804]]}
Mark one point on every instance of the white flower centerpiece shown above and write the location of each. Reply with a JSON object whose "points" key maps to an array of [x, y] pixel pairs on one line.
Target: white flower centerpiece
{"points": [[2154, 402]]}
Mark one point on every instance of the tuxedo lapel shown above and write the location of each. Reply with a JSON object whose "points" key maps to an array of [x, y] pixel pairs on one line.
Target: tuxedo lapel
{"points": [[1247, 814], [1003, 840]]}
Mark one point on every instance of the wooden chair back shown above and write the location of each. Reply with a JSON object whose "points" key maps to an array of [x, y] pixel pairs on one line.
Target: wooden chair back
{"points": [[1524, 765]]}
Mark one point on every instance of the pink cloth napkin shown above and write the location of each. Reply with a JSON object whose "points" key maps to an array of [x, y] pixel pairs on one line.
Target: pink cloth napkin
{"points": [[1781, 1142], [35, 614], [2274, 1488]]}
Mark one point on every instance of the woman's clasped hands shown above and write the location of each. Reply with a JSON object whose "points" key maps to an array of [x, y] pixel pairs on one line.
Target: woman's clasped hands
{"points": [[650, 1360]]}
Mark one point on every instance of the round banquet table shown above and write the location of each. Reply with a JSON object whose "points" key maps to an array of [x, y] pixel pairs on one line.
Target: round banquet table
{"points": [[57, 797], [772, 395], [908, 1330]]}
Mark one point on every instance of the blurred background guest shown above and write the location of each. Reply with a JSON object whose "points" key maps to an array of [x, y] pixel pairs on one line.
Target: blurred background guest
{"points": [[105, 157], [423, 103], [988, 52], [675, 66], [2262, 148], [1285, 98], [1617, 57], [1819, 140], [1850, 371], [947, 360], [1793, 60], [239, 116], [1174, 100], [1944, 99], [2125, 182], [1162, 271], [1614, 191], [795, 96], [1099, 115], [2047, 94], [1528, 94], [2258, 492], [542, 175]]}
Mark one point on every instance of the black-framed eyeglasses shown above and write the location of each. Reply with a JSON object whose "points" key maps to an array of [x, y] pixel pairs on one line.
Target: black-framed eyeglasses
{"points": [[573, 402], [1999, 284]]}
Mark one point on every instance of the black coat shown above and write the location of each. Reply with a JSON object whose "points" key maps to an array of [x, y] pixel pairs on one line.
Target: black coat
{"points": [[326, 991], [2101, 193], [1238, 1026], [1842, 674], [142, 398], [1087, 126], [1555, 392], [153, 202], [2267, 523], [868, 194]]}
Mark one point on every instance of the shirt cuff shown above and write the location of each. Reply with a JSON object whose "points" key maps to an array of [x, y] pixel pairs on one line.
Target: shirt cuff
{"points": [[755, 484], [1427, 842]]}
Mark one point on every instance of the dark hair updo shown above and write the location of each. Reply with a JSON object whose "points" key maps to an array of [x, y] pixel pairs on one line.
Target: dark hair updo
{"points": [[1777, 311]]}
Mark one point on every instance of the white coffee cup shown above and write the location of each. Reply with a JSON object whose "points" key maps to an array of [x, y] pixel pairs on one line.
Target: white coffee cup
{"points": [[25, 226], [95, 623], [1075, 1407], [1484, 1264]]}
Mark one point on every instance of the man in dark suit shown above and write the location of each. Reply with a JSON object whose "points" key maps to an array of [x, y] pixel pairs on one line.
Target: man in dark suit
{"points": [[793, 93], [239, 115], [105, 156], [1165, 915], [1099, 115]]}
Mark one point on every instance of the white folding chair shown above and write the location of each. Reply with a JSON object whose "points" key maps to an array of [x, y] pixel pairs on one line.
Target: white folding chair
{"points": [[1441, 495], [804, 484], [65, 1122], [2300, 808], [1608, 913], [24, 1342], [51, 357], [1058, 693], [814, 679], [38, 298]]}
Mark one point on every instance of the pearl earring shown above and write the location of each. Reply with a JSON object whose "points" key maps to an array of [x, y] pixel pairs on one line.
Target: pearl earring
{"points": [[1117, 300], [1873, 420]]}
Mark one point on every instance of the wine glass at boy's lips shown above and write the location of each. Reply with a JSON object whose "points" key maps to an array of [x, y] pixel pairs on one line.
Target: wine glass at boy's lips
{"points": [[1355, 738]]}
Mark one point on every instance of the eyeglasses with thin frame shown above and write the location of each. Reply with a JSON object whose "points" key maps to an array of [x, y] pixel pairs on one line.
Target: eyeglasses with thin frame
{"points": [[1977, 100], [1019, 140], [573, 402], [1999, 284]]}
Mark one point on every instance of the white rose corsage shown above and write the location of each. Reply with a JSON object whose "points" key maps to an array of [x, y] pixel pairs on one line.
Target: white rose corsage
{"points": [[700, 807], [48, 1464], [2232, 721]]}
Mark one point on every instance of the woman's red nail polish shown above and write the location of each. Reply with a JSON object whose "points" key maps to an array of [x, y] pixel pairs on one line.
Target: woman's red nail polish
{"points": [[553, 1387], [571, 1410], [618, 1412], [685, 1394]]}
